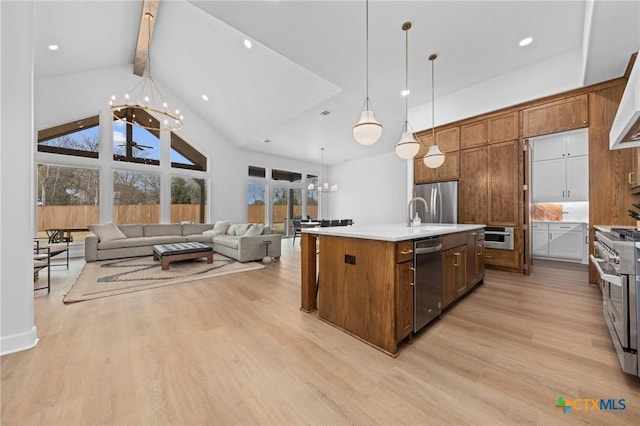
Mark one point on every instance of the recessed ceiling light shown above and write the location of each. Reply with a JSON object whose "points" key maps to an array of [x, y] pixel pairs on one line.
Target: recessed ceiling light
{"points": [[247, 44], [405, 92], [526, 41], [205, 97], [53, 47]]}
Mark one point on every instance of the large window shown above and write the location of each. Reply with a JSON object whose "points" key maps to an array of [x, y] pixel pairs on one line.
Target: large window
{"points": [[184, 156], [312, 197], [68, 197], [133, 143], [136, 197], [79, 138], [188, 199], [256, 203]]}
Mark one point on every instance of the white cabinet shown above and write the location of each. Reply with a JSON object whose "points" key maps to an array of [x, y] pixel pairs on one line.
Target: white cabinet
{"points": [[560, 145], [577, 178], [565, 240], [540, 239], [560, 169], [561, 241]]}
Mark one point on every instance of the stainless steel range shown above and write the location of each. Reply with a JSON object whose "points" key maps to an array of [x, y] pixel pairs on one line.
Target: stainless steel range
{"points": [[615, 259]]}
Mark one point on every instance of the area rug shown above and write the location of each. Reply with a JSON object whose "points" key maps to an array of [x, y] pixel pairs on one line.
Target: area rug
{"points": [[111, 277]]}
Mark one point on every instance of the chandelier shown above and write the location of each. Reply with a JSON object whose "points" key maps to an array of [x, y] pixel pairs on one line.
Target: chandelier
{"points": [[146, 97], [367, 130], [407, 147], [325, 186], [434, 157]]}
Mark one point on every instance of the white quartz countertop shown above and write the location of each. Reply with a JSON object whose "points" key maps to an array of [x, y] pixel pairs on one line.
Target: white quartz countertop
{"points": [[392, 231], [607, 228]]}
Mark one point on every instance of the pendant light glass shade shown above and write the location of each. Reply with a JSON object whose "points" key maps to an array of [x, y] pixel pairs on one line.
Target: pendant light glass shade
{"points": [[408, 146], [434, 157], [367, 130]]}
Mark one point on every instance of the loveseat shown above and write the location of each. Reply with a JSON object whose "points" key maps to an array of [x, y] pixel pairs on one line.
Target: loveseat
{"points": [[242, 242]]}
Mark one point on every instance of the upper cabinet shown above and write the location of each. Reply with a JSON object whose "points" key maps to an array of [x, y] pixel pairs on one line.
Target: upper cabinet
{"points": [[560, 169], [449, 142], [496, 129], [558, 116]]}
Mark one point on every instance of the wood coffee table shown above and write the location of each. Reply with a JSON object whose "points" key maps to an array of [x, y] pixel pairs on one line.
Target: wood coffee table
{"points": [[167, 253]]}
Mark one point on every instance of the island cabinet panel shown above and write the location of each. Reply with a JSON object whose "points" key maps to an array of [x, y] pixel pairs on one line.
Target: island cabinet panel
{"points": [[357, 288], [404, 299], [454, 274], [558, 116], [475, 257], [473, 190], [504, 184]]}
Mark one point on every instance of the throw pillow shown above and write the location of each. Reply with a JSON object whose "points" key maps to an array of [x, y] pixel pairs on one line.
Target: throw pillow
{"points": [[211, 233], [242, 228], [107, 232], [231, 230], [255, 230], [221, 226]]}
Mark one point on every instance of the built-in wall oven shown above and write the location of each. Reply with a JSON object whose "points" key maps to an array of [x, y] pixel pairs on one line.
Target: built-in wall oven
{"points": [[498, 237], [615, 260]]}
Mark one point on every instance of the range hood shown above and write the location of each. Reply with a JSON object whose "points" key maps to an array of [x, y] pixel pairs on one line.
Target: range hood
{"points": [[625, 131]]}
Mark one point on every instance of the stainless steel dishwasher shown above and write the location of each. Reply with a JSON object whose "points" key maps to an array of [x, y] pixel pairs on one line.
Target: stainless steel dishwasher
{"points": [[427, 291]]}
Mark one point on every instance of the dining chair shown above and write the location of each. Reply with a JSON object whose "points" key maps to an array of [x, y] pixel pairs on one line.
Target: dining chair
{"points": [[297, 229]]}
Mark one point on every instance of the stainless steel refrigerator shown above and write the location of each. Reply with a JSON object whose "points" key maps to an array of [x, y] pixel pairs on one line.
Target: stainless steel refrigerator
{"points": [[442, 198]]}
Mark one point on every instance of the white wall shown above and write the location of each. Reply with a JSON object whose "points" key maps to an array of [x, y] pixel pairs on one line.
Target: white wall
{"points": [[557, 74], [371, 190], [18, 331]]}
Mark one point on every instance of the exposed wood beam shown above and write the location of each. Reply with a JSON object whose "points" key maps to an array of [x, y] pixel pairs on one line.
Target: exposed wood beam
{"points": [[145, 33]]}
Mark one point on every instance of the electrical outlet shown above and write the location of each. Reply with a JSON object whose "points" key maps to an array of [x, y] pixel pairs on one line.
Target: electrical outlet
{"points": [[350, 259]]}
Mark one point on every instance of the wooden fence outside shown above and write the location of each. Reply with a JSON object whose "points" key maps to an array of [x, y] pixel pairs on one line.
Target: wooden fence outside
{"points": [[80, 216]]}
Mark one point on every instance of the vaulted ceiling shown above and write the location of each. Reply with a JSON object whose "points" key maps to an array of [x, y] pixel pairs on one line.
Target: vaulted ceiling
{"points": [[309, 56]]}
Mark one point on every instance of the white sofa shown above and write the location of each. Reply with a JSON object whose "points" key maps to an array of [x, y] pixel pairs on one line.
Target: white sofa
{"points": [[138, 240]]}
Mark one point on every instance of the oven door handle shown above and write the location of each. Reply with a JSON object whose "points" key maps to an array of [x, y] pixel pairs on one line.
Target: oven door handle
{"points": [[613, 279], [497, 233]]}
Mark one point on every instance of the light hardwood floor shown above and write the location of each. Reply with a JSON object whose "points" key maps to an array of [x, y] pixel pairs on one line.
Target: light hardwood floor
{"points": [[237, 350]]}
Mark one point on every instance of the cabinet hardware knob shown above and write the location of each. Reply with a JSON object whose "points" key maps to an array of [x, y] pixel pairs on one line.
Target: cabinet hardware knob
{"points": [[413, 269], [412, 284], [406, 252]]}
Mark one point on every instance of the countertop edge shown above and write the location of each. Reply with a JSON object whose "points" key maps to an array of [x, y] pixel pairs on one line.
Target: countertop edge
{"points": [[393, 232]]}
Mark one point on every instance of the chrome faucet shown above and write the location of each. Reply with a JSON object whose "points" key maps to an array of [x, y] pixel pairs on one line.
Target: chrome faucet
{"points": [[426, 209]]}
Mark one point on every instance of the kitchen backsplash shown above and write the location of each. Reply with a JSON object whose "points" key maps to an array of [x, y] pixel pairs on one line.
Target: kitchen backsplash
{"points": [[561, 212]]}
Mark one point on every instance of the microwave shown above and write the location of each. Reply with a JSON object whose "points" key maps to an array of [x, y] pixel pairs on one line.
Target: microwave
{"points": [[498, 237]]}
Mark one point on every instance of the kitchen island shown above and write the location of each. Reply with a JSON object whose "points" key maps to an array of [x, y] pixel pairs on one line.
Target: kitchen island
{"points": [[364, 275]]}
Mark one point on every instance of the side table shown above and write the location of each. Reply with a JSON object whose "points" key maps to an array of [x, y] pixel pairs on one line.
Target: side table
{"points": [[267, 258]]}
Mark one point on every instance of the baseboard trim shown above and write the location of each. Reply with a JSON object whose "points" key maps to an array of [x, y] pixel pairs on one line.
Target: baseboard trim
{"points": [[19, 342]]}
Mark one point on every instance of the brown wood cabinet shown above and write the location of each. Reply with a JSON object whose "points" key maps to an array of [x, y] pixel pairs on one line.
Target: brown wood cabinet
{"points": [[500, 128], [449, 170], [454, 274], [558, 116], [404, 299], [449, 142], [475, 257], [490, 184], [473, 187], [505, 183], [633, 177]]}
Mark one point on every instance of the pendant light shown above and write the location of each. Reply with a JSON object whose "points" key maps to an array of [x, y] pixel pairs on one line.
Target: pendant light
{"points": [[434, 157], [367, 130], [325, 186], [408, 147]]}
